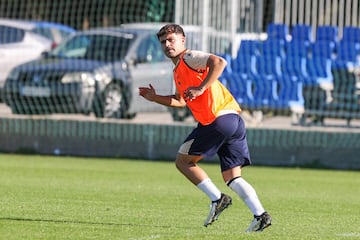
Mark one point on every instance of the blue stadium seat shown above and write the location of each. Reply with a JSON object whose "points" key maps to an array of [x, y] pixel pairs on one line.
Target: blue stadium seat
{"points": [[240, 87], [295, 66], [264, 93], [278, 31], [323, 49], [347, 55], [245, 65], [298, 49], [319, 72], [290, 85], [318, 86], [302, 33], [329, 34], [268, 66], [351, 34], [290, 95], [248, 47], [272, 47]]}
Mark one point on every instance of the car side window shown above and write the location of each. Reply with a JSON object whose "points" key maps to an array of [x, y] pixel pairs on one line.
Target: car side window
{"points": [[76, 47], [11, 35], [107, 48], [150, 51]]}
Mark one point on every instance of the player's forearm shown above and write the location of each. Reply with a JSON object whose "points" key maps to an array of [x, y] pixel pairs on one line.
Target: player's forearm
{"points": [[169, 101]]}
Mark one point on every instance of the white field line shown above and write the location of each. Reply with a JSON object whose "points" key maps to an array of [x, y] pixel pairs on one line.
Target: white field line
{"points": [[350, 234]]}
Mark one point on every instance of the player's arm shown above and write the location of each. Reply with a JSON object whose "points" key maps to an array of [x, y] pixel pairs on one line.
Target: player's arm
{"points": [[149, 93], [216, 66]]}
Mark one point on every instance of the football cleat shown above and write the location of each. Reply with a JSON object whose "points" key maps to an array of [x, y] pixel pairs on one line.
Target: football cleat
{"points": [[260, 223], [216, 208]]}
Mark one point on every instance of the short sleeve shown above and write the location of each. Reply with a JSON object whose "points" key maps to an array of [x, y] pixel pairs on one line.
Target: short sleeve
{"points": [[196, 59]]}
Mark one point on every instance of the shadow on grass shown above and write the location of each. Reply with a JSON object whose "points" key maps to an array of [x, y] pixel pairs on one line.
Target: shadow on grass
{"points": [[83, 222]]}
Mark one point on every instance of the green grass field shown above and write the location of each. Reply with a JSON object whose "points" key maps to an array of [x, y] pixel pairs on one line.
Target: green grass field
{"points": [[80, 198]]}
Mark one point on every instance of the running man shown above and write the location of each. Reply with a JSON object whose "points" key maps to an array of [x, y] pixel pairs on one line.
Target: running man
{"points": [[220, 128]]}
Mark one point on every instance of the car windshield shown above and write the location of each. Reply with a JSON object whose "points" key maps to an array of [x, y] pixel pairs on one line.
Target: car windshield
{"points": [[94, 47]]}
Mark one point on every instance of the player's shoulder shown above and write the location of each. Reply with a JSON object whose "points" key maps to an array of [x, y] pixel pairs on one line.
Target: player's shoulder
{"points": [[196, 59], [195, 54]]}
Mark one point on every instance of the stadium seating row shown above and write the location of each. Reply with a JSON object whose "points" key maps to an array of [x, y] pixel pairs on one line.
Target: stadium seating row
{"points": [[291, 71]]}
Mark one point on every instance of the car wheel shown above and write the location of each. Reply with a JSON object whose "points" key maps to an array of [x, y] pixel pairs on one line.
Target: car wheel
{"points": [[112, 103]]}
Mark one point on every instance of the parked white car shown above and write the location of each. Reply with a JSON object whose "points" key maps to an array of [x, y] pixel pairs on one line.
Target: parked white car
{"points": [[23, 41]]}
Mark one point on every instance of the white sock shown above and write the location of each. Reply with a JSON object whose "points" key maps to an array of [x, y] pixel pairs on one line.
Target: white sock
{"points": [[209, 188], [248, 194]]}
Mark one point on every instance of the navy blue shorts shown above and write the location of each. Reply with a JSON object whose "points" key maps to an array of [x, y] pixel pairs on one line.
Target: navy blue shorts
{"points": [[226, 136]]}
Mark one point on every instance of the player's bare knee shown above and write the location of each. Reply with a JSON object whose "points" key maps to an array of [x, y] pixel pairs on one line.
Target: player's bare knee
{"points": [[180, 163], [183, 162]]}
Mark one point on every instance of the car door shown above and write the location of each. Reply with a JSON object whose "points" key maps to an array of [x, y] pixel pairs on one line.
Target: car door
{"points": [[150, 67]]}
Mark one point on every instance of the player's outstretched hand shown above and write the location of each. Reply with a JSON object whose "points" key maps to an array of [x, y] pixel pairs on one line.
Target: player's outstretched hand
{"points": [[148, 93]]}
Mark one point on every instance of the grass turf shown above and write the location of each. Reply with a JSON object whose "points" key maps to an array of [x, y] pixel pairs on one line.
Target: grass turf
{"points": [[46, 197]]}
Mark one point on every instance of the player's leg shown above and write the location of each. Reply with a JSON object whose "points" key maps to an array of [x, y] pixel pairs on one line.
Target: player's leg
{"points": [[187, 165], [203, 141], [248, 194], [233, 155]]}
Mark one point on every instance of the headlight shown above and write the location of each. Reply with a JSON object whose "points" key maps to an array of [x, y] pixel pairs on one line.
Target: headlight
{"points": [[124, 66], [84, 77], [102, 77]]}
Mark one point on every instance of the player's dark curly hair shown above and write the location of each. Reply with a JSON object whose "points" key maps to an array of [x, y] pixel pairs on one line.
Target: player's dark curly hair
{"points": [[170, 28]]}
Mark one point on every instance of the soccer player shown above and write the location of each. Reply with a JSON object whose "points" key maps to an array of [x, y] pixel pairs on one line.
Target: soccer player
{"points": [[220, 128]]}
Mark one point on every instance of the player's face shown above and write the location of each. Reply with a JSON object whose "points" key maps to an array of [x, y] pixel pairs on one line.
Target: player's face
{"points": [[172, 44]]}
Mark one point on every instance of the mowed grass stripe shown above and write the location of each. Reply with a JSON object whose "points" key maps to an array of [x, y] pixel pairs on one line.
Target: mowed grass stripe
{"points": [[46, 197]]}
